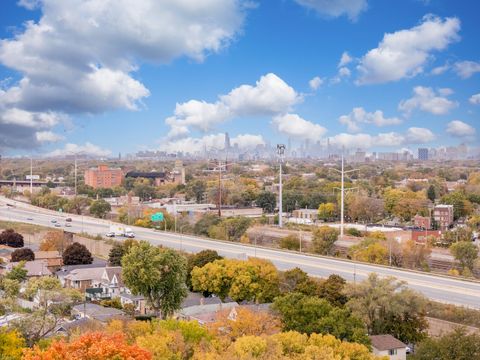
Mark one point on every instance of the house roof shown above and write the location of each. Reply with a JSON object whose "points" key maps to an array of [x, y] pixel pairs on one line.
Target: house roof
{"points": [[194, 299], [85, 274], [67, 269], [131, 297], [386, 342], [47, 255], [205, 309], [34, 268], [114, 271], [97, 312]]}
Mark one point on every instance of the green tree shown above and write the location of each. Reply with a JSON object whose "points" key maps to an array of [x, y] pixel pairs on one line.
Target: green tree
{"points": [[466, 253], [196, 189], [332, 290], [297, 280], [157, 274], [309, 314], [431, 194], [462, 207], [100, 208], [267, 201], [456, 345], [54, 303], [387, 306], [18, 272], [200, 259], [323, 239], [290, 242], [77, 205], [77, 254], [204, 223]]}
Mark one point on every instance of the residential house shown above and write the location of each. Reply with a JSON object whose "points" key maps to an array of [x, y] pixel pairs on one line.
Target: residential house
{"points": [[136, 300], [111, 282], [35, 268], [387, 345], [53, 258], [67, 269], [82, 279], [96, 312]]}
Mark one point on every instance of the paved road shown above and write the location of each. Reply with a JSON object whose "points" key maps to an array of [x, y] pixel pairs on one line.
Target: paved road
{"points": [[444, 289]]}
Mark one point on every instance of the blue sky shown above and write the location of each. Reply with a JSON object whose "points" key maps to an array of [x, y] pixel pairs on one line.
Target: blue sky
{"points": [[105, 77]]}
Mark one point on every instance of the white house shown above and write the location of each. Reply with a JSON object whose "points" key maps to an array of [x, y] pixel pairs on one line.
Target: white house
{"points": [[387, 345]]}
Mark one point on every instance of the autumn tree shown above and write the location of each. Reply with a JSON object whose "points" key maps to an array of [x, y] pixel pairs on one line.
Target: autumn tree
{"points": [[77, 254], [290, 242], [11, 344], [200, 259], [364, 208], [415, 256], [254, 279], [90, 346], [11, 238], [388, 306], [310, 314], [158, 274], [53, 240], [370, 250], [77, 205], [323, 240], [23, 254], [237, 322], [204, 223], [462, 207], [100, 208], [326, 211]]}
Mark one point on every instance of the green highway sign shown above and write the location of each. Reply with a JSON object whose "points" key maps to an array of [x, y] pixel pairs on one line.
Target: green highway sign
{"points": [[157, 217]]}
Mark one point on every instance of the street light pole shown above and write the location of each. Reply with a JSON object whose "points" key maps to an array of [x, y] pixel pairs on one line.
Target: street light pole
{"points": [[342, 201], [75, 174], [31, 176], [280, 152]]}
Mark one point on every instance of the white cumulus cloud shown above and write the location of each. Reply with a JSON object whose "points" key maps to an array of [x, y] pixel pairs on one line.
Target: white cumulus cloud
{"points": [[426, 99], [460, 129], [94, 48], [404, 53], [336, 8], [48, 136], [87, 149], [466, 69], [359, 116], [296, 127], [270, 96], [193, 145], [345, 59], [315, 83], [475, 99]]}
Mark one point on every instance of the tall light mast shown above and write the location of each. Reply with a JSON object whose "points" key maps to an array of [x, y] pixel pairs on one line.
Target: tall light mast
{"points": [[281, 153]]}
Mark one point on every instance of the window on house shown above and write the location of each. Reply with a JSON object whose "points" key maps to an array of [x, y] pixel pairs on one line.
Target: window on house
{"points": [[392, 352]]}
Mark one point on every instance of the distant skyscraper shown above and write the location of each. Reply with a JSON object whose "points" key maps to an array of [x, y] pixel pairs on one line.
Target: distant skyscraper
{"points": [[227, 141], [422, 154]]}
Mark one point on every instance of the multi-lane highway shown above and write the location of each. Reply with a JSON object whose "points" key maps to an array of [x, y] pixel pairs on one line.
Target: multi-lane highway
{"points": [[440, 288]]}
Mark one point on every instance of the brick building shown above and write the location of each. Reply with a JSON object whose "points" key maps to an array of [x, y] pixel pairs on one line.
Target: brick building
{"points": [[103, 177], [423, 222], [443, 216]]}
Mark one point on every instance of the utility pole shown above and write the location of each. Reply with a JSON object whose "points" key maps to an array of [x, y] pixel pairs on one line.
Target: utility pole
{"points": [[342, 196], [219, 189], [31, 176], [75, 174], [281, 153]]}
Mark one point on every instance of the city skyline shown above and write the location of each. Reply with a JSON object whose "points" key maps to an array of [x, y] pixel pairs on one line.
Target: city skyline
{"points": [[367, 75]]}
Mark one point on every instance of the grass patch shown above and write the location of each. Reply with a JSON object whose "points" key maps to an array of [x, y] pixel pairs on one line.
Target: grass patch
{"points": [[23, 227]]}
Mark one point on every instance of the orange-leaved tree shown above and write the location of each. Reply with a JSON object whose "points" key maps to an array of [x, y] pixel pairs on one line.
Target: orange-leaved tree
{"points": [[90, 346]]}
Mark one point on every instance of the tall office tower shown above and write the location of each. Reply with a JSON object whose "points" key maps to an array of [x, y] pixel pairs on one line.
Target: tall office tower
{"points": [[227, 141], [422, 154]]}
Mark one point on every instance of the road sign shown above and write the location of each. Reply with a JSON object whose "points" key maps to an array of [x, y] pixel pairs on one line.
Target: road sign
{"points": [[157, 217]]}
